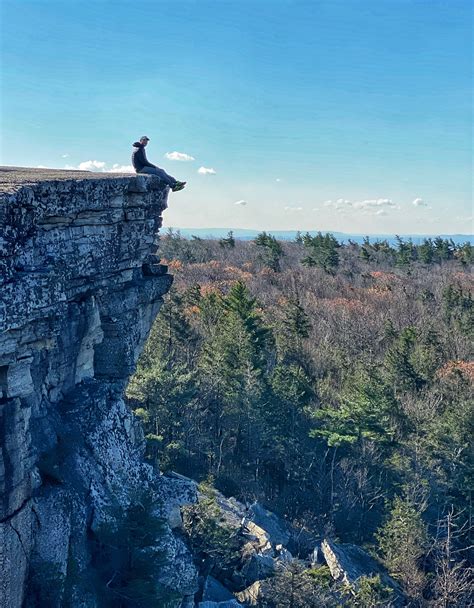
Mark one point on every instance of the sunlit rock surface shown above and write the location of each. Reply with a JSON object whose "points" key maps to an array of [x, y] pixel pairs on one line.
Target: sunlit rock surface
{"points": [[348, 563], [80, 286]]}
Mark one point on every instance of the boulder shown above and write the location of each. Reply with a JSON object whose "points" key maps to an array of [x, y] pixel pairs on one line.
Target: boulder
{"points": [[283, 555], [251, 596], [257, 567], [214, 591], [257, 535], [176, 491], [348, 563], [276, 528], [232, 511]]}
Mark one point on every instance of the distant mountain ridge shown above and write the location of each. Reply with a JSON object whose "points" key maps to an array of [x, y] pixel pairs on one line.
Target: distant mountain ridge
{"points": [[287, 235]]}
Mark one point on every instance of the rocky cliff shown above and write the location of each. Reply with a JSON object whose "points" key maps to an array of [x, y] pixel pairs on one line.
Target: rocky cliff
{"points": [[80, 287]]}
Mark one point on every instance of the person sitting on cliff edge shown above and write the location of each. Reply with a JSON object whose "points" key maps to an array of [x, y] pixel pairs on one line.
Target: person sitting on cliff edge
{"points": [[141, 165]]}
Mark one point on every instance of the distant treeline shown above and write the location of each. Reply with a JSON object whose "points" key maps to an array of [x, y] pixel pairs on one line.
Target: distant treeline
{"points": [[397, 251], [290, 235]]}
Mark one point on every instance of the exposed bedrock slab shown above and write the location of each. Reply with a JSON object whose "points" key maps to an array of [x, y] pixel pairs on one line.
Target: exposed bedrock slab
{"points": [[348, 563], [80, 286]]}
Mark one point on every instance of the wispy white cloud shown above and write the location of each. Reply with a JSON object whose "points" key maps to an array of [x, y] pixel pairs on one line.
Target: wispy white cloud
{"points": [[290, 208], [206, 171], [101, 167], [65, 156], [419, 202], [367, 206], [338, 204], [116, 168], [241, 203], [42, 167], [90, 165], [179, 156], [374, 203], [278, 179]]}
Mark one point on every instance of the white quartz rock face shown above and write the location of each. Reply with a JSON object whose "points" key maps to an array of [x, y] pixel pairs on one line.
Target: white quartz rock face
{"points": [[80, 286]]}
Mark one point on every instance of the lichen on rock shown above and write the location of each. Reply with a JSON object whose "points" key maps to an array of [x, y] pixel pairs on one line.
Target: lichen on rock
{"points": [[80, 286]]}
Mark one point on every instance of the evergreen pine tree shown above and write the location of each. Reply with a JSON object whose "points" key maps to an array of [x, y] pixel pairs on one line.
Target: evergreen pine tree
{"points": [[270, 251], [228, 242], [403, 542], [322, 251]]}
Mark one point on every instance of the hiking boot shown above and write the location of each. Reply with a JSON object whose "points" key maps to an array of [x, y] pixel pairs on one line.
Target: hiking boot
{"points": [[178, 186]]}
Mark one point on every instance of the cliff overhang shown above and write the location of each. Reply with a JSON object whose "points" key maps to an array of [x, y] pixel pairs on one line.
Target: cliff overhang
{"points": [[80, 286]]}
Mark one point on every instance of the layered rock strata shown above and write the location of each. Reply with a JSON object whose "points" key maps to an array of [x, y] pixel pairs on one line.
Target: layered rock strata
{"points": [[80, 286]]}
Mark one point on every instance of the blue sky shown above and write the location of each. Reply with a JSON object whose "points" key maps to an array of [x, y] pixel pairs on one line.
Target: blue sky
{"points": [[347, 115]]}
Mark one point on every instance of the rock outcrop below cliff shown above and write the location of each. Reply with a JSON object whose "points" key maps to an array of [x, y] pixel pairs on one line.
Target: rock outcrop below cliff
{"points": [[80, 287]]}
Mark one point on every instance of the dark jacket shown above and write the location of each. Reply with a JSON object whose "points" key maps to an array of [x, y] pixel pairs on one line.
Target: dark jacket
{"points": [[139, 159]]}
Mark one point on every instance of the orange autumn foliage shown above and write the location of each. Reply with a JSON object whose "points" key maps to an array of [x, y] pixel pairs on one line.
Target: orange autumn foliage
{"points": [[465, 368], [387, 277], [192, 310], [217, 287], [379, 291], [174, 265], [209, 288], [238, 273]]}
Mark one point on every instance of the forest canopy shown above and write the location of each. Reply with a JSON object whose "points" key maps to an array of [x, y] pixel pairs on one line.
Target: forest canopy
{"points": [[332, 382]]}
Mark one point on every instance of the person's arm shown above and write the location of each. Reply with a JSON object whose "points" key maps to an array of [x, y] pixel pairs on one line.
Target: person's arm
{"points": [[144, 160]]}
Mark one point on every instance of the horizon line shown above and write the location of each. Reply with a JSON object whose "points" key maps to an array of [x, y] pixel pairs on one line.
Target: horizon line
{"points": [[471, 235]]}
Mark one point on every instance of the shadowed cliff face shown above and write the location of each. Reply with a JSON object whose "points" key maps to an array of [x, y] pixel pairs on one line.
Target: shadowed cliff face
{"points": [[80, 287]]}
